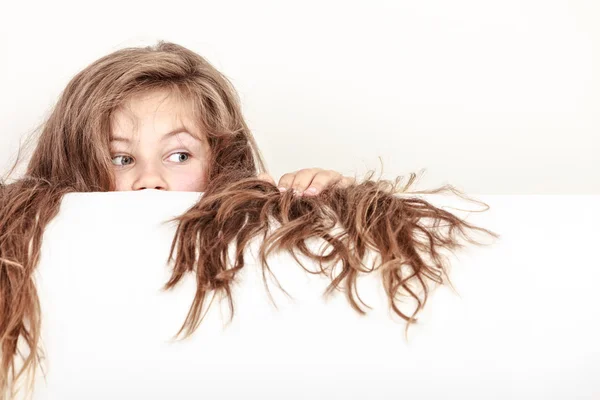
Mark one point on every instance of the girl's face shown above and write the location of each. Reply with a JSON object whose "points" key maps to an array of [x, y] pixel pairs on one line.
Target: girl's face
{"points": [[156, 145]]}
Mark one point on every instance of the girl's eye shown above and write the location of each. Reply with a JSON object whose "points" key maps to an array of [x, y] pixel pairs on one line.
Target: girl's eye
{"points": [[126, 160], [182, 156]]}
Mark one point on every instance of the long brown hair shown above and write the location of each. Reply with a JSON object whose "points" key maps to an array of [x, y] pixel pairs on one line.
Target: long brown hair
{"points": [[72, 155]]}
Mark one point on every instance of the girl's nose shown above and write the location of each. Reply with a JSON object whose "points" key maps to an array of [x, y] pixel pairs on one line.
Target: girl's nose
{"points": [[150, 179]]}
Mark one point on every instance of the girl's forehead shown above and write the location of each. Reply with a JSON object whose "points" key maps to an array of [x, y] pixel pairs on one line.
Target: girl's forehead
{"points": [[160, 110], [157, 102]]}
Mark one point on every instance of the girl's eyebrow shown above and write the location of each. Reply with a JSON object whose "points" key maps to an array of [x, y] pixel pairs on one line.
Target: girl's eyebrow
{"points": [[165, 136]]}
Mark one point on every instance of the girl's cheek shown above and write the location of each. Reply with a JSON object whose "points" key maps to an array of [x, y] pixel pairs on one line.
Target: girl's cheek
{"points": [[119, 184], [194, 181], [200, 184]]}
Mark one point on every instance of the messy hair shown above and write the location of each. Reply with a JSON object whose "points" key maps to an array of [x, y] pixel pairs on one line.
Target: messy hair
{"points": [[369, 216]]}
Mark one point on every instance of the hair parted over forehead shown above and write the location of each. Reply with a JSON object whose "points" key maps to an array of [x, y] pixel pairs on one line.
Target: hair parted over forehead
{"points": [[407, 234], [81, 121]]}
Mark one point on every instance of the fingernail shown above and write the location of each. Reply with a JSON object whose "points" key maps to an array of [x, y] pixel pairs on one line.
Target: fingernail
{"points": [[311, 190], [282, 189], [297, 192]]}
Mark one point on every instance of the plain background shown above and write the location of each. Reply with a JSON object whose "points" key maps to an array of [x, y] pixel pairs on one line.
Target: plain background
{"points": [[492, 97]]}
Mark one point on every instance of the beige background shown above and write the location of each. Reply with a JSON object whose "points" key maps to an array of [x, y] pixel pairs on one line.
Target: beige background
{"points": [[493, 97]]}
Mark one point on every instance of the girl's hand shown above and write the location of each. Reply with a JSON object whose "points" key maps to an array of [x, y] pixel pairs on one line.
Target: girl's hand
{"points": [[309, 181]]}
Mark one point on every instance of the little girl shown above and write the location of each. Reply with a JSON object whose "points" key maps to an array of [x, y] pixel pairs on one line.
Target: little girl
{"points": [[156, 144], [163, 118]]}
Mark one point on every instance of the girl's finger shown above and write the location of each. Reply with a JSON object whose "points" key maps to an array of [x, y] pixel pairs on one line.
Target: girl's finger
{"points": [[285, 182], [346, 181], [303, 179], [322, 180]]}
